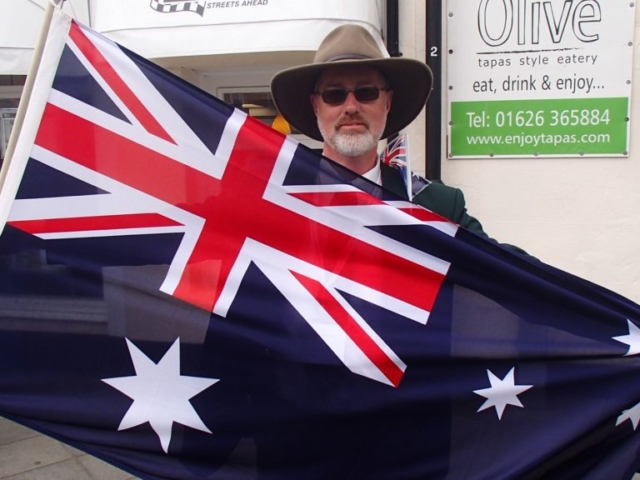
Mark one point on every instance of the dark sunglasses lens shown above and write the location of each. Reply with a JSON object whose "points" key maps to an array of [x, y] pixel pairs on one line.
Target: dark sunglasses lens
{"points": [[334, 96], [366, 94]]}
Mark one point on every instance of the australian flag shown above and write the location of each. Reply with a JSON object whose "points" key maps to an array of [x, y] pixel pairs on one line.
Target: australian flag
{"points": [[187, 294]]}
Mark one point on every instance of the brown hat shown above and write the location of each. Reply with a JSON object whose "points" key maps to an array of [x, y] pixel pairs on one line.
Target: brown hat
{"points": [[410, 80]]}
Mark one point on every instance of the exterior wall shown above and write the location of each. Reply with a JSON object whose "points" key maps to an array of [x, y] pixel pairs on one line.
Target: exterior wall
{"points": [[581, 215], [412, 45]]}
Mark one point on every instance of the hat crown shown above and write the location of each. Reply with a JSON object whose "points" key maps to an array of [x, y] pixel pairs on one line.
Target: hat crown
{"points": [[348, 42]]}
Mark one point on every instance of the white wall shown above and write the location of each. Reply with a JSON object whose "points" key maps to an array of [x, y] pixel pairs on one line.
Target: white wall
{"points": [[412, 45], [579, 214]]}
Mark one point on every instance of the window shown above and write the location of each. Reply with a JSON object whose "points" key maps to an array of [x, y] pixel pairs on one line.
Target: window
{"points": [[257, 102], [7, 117], [10, 90], [12, 80]]}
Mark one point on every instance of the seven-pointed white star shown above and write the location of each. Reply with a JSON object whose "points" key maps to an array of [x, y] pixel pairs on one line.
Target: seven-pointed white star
{"points": [[633, 415], [633, 339], [502, 392], [160, 394]]}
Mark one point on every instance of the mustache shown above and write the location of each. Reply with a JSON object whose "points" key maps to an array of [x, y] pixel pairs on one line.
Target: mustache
{"points": [[350, 118]]}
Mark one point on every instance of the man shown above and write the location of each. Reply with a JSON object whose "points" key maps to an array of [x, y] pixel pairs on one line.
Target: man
{"points": [[352, 96]]}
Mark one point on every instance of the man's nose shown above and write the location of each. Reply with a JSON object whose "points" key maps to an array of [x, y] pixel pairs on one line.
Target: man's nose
{"points": [[350, 103]]}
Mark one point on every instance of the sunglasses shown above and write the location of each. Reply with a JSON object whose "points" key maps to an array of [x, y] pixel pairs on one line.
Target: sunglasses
{"points": [[337, 96]]}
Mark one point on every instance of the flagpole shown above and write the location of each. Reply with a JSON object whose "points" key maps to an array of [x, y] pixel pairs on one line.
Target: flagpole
{"points": [[407, 172], [28, 87]]}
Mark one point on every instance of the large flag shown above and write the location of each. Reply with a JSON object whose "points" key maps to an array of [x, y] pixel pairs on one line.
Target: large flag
{"points": [[187, 294]]}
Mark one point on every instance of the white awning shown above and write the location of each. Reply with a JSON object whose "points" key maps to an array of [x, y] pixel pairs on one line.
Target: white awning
{"points": [[164, 29], [172, 29], [20, 23]]}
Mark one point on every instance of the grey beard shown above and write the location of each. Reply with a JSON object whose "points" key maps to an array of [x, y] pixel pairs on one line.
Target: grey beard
{"points": [[351, 145]]}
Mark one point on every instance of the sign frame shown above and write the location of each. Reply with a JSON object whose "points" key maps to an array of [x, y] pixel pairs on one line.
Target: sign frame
{"points": [[531, 78]]}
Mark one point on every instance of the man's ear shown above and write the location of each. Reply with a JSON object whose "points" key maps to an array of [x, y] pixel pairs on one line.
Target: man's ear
{"points": [[389, 99], [314, 103]]}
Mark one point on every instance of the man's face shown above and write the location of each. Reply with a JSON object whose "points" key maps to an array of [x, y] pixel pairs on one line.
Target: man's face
{"points": [[351, 127]]}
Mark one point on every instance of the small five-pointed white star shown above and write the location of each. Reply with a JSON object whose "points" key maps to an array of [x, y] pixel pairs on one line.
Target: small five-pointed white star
{"points": [[633, 339], [160, 394], [633, 415], [501, 393]]}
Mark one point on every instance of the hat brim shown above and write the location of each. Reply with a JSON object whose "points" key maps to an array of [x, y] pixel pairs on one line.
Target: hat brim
{"points": [[410, 80]]}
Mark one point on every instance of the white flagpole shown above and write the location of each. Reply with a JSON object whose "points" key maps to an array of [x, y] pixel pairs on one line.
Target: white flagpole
{"points": [[407, 172], [28, 88]]}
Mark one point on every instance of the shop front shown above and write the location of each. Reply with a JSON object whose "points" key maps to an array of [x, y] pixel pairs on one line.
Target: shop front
{"points": [[230, 49]]}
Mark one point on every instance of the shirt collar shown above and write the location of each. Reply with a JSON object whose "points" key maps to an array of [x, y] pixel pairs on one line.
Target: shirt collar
{"points": [[374, 174]]}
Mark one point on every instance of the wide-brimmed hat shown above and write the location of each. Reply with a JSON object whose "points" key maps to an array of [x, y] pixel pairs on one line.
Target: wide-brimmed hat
{"points": [[410, 80]]}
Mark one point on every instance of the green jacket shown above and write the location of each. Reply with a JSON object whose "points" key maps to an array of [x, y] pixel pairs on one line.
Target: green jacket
{"points": [[437, 197]]}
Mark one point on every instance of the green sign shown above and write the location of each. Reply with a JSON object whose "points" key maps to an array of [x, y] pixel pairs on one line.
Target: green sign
{"points": [[540, 127]]}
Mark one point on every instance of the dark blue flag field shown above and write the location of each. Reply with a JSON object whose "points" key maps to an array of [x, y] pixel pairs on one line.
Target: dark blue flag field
{"points": [[188, 294]]}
